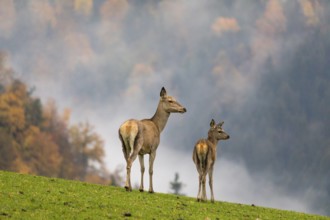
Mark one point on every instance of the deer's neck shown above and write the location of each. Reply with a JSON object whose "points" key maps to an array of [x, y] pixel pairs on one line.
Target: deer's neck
{"points": [[213, 140], [160, 117]]}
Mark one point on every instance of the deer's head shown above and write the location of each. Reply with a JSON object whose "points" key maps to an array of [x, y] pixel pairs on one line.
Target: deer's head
{"points": [[216, 131], [169, 104]]}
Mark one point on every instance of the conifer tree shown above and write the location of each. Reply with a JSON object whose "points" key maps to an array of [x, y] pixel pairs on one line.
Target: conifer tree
{"points": [[176, 186]]}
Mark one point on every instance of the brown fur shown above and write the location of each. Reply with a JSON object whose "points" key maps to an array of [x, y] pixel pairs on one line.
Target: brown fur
{"points": [[140, 137], [204, 157]]}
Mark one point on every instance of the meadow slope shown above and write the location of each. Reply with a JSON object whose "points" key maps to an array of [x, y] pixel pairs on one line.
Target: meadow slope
{"points": [[35, 197]]}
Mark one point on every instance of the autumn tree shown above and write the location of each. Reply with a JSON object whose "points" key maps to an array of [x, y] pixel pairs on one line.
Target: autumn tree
{"points": [[12, 114], [36, 139], [87, 147], [41, 153], [8, 153], [12, 124], [54, 124]]}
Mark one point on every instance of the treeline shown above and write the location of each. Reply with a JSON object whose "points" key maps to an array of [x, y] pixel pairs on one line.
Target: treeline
{"points": [[290, 121], [36, 139]]}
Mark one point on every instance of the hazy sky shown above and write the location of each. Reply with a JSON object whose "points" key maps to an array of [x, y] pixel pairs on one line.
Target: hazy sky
{"points": [[107, 60]]}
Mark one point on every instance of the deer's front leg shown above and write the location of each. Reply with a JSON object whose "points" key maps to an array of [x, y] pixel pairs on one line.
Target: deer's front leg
{"points": [[151, 170], [141, 160]]}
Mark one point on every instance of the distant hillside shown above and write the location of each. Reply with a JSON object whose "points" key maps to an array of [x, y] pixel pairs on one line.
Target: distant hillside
{"points": [[35, 197]]}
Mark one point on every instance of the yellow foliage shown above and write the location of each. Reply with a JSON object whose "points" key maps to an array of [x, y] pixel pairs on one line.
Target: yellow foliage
{"points": [[85, 7], [12, 113], [223, 25], [309, 10], [21, 166], [42, 154], [7, 18], [49, 114], [66, 116], [114, 9], [273, 20], [87, 142], [9, 99], [29, 135], [19, 90], [34, 139]]}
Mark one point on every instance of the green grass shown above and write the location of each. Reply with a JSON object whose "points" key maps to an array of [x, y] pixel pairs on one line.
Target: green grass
{"points": [[35, 197]]}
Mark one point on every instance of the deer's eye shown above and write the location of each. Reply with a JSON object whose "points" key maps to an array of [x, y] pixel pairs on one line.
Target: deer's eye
{"points": [[170, 101]]}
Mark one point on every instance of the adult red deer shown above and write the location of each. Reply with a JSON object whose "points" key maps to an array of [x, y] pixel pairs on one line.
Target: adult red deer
{"points": [[140, 137], [204, 156]]}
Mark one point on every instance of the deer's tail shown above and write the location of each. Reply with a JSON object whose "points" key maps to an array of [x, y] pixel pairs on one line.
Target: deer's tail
{"points": [[200, 154], [128, 132]]}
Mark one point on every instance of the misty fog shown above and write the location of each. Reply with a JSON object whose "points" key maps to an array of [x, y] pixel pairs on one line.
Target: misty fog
{"points": [[260, 66]]}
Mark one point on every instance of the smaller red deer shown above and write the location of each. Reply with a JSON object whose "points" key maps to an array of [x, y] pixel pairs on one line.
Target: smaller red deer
{"points": [[204, 156]]}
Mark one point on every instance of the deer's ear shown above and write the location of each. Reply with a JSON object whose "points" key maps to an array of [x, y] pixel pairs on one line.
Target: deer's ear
{"points": [[162, 92], [221, 123], [212, 123]]}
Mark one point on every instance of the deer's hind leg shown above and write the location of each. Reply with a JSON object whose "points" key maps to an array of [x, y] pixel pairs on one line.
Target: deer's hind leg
{"points": [[130, 157], [199, 170], [199, 195], [203, 191], [211, 182], [141, 160], [208, 170], [126, 151], [202, 178], [136, 149]]}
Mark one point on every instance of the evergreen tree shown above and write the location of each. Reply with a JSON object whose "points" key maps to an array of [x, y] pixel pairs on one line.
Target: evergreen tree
{"points": [[176, 186]]}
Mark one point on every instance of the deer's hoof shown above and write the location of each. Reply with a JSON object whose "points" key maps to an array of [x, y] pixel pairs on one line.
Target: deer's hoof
{"points": [[141, 190], [128, 189], [151, 191]]}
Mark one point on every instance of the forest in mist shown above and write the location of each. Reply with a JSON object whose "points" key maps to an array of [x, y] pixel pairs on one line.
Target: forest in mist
{"points": [[262, 66], [36, 139]]}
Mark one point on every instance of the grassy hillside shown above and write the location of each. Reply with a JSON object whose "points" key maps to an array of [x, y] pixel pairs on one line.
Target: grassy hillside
{"points": [[34, 197]]}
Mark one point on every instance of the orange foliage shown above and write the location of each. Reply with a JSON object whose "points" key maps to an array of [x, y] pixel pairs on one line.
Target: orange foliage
{"points": [[223, 25], [114, 10], [21, 166], [41, 153], [310, 11], [7, 17], [36, 140], [86, 142], [84, 7], [273, 20], [11, 112], [44, 13]]}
